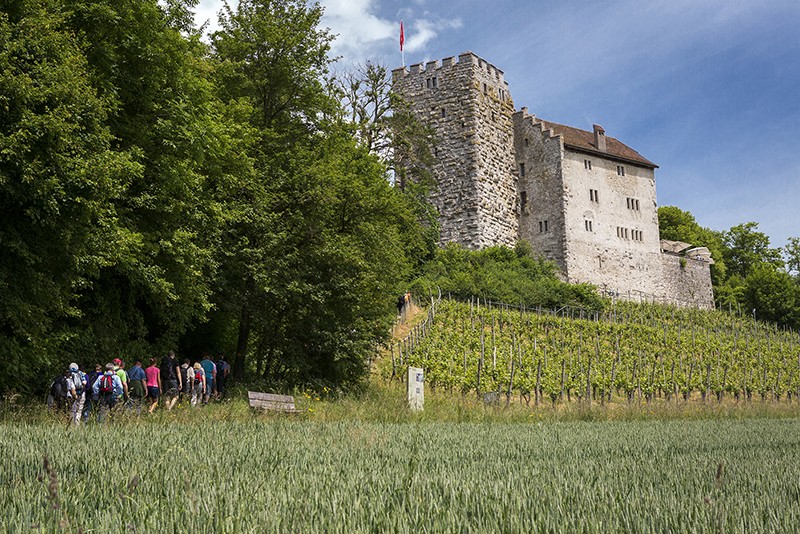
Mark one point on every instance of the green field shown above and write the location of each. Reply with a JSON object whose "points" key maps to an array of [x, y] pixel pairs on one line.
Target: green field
{"points": [[285, 475]]}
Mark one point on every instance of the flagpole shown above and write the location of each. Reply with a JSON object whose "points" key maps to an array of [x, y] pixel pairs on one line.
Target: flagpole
{"points": [[402, 41]]}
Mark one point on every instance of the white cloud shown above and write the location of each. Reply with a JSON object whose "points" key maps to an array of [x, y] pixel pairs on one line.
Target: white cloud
{"points": [[362, 34]]}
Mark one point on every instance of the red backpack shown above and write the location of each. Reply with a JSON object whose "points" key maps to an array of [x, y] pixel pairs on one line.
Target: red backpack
{"points": [[106, 384]]}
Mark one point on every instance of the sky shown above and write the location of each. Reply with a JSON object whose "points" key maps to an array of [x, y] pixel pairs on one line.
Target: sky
{"points": [[707, 89]]}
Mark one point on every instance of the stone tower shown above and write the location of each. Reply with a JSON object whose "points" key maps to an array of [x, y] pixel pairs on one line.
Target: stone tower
{"points": [[468, 104]]}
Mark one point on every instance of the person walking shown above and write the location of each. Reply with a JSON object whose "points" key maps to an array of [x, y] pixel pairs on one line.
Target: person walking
{"points": [[153, 374], [137, 386], [210, 371], [222, 374], [199, 381], [78, 393], [171, 376], [90, 404], [187, 380], [119, 369], [108, 389]]}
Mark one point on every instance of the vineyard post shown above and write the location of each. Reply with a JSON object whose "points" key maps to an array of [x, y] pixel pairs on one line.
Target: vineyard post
{"points": [[478, 386], [613, 378], [538, 391], [563, 378], [510, 383], [708, 383], [394, 368], [651, 389], [674, 384], [589, 382]]}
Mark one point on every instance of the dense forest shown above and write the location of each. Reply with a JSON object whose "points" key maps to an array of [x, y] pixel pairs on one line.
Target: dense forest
{"points": [[162, 191]]}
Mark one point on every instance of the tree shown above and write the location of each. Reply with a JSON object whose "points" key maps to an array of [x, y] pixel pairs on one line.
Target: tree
{"points": [[383, 122], [316, 240], [773, 295], [59, 178], [748, 248], [791, 253]]}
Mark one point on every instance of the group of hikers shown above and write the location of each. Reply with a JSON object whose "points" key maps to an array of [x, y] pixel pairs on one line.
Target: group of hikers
{"points": [[99, 391]]}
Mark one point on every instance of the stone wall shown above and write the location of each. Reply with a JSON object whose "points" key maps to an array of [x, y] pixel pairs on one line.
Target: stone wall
{"points": [[611, 228], [686, 281], [468, 104], [541, 219]]}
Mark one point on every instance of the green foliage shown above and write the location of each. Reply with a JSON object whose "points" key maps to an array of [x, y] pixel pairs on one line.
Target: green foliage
{"points": [[636, 351], [60, 180], [501, 274], [747, 248]]}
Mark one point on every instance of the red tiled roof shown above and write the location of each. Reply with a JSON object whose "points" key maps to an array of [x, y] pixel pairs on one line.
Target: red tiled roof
{"points": [[584, 141]]}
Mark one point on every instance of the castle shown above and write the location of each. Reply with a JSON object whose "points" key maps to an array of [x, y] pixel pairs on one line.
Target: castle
{"points": [[581, 199]]}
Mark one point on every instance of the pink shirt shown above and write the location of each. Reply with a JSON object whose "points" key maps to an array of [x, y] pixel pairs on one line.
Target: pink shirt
{"points": [[152, 376]]}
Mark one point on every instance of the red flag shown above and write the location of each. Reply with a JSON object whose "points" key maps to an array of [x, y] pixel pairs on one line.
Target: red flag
{"points": [[402, 36]]}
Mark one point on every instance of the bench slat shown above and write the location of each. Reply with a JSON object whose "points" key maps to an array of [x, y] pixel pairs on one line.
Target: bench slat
{"points": [[269, 401], [257, 395]]}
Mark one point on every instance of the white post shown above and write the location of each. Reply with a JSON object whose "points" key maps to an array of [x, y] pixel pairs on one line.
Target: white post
{"points": [[416, 389]]}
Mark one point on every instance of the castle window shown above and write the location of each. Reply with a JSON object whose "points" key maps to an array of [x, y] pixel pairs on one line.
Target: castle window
{"points": [[523, 202], [587, 164], [620, 170], [444, 113], [594, 195], [485, 88], [522, 169], [434, 82], [632, 203], [588, 225], [428, 83], [542, 226], [526, 141], [494, 116]]}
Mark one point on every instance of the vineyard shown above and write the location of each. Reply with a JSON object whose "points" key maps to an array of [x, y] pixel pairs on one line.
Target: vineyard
{"points": [[630, 352]]}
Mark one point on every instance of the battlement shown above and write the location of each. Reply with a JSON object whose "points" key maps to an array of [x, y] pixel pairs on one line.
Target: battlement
{"points": [[463, 60], [526, 118]]}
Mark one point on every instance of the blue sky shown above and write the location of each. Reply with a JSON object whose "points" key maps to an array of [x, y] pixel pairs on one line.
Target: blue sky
{"points": [[707, 89]]}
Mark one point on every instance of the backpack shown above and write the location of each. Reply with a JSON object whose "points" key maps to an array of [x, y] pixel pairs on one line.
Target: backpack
{"points": [[184, 377], [106, 384], [198, 376], [78, 378], [168, 369], [59, 388]]}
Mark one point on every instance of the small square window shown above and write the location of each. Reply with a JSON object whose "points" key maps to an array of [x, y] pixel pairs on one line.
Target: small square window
{"points": [[522, 169], [523, 202], [588, 225], [526, 141], [620, 170], [587, 164]]}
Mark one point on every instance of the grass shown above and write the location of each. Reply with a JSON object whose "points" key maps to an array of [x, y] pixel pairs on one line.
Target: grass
{"points": [[286, 475]]}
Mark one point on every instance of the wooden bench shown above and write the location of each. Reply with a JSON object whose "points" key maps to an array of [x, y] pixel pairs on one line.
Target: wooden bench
{"points": [[269, 401]]}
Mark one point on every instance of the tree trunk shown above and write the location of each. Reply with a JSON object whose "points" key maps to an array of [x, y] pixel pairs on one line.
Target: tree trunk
{"points": [[241, 343]]}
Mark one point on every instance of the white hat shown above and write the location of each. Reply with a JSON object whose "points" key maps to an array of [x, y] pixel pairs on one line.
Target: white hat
{"points": [[73, 366]]}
